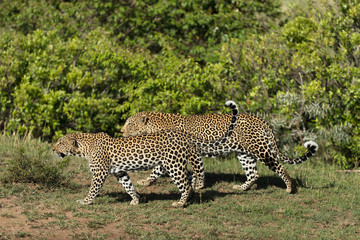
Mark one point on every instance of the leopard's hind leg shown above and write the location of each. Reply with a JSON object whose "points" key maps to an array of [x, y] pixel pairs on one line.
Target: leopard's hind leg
{"points": [[248, 164], [280, 170], [198, 178], [179, 176]]}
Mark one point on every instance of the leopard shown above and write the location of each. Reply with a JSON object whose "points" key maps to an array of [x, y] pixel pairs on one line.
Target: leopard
{"points": [[170, 149], [252, 140]]}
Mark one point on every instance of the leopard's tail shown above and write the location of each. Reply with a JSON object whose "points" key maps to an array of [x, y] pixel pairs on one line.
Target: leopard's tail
{"points": [[230, 130], [311, 147]]}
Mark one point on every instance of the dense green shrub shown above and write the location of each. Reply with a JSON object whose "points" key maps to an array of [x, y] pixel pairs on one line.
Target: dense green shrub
{"points": [[307, 75], [192, 27], [91, 84]]}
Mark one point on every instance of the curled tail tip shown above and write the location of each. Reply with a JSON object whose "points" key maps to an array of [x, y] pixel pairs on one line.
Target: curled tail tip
{"points": [[311, 145], [231, 104]]}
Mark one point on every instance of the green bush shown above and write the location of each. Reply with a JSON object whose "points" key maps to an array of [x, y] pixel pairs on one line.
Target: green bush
{"points": [[192, 27], [91, 84], [307, 75], [30, 161]]}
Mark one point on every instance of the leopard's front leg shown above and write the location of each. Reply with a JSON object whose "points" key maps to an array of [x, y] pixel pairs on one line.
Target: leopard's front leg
{"points": [[97, 181], [125, 180]]}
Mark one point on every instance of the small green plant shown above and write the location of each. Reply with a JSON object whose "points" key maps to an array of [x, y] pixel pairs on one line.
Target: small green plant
{"points": [[94, 224], [22, 234]]}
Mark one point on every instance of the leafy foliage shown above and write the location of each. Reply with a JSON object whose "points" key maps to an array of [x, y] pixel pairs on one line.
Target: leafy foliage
{"points": [[91, 84], [87, 66], [192, 27], [307, 72]]}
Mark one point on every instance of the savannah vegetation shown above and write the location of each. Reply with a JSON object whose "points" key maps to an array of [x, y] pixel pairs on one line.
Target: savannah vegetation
{"points": [[88, 65]]}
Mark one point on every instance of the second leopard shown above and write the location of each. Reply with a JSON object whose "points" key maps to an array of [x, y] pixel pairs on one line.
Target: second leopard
{"points": [[252, 140]]}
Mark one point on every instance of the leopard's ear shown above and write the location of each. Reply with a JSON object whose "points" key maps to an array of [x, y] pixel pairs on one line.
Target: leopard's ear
{"points": [[76, 144], [144, 119]]}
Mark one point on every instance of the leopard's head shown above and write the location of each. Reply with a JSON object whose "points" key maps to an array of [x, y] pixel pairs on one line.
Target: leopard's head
{"points": [[66, 146], [136, 125]]}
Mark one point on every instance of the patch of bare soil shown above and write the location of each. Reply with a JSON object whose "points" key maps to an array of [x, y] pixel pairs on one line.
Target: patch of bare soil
{"points": [[15, 222]]}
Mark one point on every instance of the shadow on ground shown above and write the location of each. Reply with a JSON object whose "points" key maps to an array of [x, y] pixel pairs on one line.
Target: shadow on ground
{"points": [[212, 179], [262, 183]]}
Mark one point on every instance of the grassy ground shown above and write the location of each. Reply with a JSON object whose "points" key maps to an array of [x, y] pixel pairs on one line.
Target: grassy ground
{"points": [[326, 205]]}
